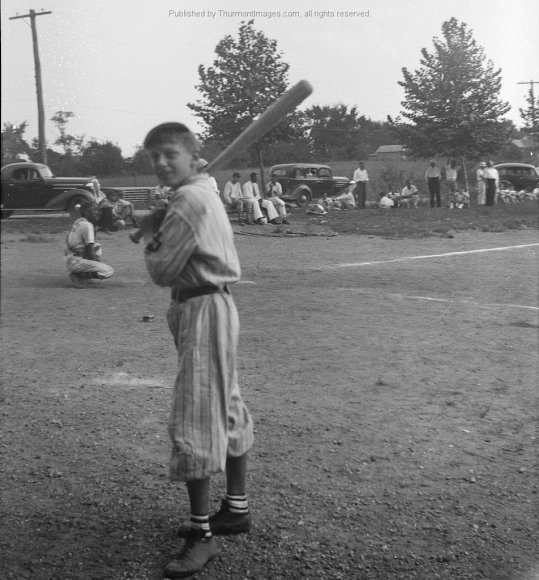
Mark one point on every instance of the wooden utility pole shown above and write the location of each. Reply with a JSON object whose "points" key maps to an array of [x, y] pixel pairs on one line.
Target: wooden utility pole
{"points": [[39, 87]]}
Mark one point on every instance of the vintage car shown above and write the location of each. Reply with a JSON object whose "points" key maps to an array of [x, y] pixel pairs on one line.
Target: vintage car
{"points": [[32, 186], [521, 176], [304, 182]]}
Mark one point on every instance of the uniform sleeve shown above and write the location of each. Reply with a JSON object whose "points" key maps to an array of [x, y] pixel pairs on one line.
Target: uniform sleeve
{"points": [[87, 233], [170, 249]]}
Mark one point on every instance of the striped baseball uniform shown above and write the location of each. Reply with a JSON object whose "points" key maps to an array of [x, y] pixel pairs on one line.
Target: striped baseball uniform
{"points": [[81, 234], [194, 247]]}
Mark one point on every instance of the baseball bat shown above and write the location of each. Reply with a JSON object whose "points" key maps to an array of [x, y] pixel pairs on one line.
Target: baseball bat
{"points": [[284, 105]]}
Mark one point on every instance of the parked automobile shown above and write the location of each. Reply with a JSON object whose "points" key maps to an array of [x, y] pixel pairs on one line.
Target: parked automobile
{"points": [[521, 176], [303, 182], [33, 186]]}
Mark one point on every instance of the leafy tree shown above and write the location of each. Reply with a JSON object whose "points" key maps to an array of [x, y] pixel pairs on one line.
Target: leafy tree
{"points": [[530, 115], [101, 158], [13, 143], [338, 132], [334, 131], [247, 76], [451, 105], [141, 162], [71, 144]]}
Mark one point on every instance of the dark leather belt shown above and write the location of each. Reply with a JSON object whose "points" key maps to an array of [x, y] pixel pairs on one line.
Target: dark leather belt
{"points": [[184, 295]]}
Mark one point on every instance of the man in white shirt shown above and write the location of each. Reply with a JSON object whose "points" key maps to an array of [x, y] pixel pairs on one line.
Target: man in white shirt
{"points": [[481, 183], [251, 195], [433, 177], [409, 195], [234, 197], [361, 177], [273, 191], [492, 179]]}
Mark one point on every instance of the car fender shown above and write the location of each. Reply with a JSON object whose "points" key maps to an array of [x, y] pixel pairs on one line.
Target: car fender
{"points": [[61, 201]]}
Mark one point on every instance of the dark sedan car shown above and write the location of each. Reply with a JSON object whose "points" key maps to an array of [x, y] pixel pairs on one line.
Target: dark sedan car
{"points": [[304, 182], [520, 175]]}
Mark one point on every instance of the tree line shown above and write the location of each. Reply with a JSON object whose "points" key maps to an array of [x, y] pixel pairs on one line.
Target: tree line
{"points": [[451, 108]]}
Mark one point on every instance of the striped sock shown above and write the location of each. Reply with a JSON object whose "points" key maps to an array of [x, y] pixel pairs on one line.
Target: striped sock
{"points": [[237, 504], [201, 523]]}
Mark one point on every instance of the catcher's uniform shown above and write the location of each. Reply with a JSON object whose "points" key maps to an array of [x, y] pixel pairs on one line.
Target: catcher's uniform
{"points": [[81, 234], [193, 252]]}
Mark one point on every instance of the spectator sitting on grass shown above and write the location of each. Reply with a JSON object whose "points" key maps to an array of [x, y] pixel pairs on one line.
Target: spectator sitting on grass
{"points": [[385, 201], [409, 195], [346, 200], [459, 199]]}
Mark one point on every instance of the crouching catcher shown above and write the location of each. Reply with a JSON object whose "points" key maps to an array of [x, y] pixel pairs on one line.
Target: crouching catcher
{"points": [[82, 253], [190, 248]]}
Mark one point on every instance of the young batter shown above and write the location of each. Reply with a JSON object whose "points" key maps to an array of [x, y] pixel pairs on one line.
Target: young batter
{"points": [[192, 251]]}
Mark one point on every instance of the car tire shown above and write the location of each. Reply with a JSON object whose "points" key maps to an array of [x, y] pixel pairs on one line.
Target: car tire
{"points": [[303, 197], [7, 213], [73, 201]]}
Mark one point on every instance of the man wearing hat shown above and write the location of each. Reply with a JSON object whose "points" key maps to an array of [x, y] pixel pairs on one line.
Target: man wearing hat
{"points": [[202, 164], [492, 179], [361, 179], [434, 179], [481, 184]]}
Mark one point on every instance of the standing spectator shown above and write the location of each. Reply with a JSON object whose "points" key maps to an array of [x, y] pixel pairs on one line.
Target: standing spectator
{"points": [[481, 186], [251, 192], [492, 179], [82, 254], [451, 173], [192, 251], [234, 197], [434, 178], [409, 195], [361, 177], [273, 191], [202, 164]]}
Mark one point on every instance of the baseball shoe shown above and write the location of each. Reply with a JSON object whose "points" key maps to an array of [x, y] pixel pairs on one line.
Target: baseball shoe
{"points": [[222, 523], [195, 554], [276, 221], [285, 221], [77, 281]]}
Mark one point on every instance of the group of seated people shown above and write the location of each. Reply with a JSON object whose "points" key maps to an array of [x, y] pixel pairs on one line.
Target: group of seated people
{"points": [[511, 195], [408, 197], [252, 208]]}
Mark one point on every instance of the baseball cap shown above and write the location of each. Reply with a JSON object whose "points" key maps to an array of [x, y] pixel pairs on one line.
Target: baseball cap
{"points": [[351, 183], [164, 128], [482, 164]]}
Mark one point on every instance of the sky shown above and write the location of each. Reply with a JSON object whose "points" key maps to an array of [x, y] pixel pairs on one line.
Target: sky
{"points": [[123, 66]]}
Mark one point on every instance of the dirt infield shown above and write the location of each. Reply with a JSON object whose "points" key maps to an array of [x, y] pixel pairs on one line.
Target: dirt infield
{"points": [[395, 405]]}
